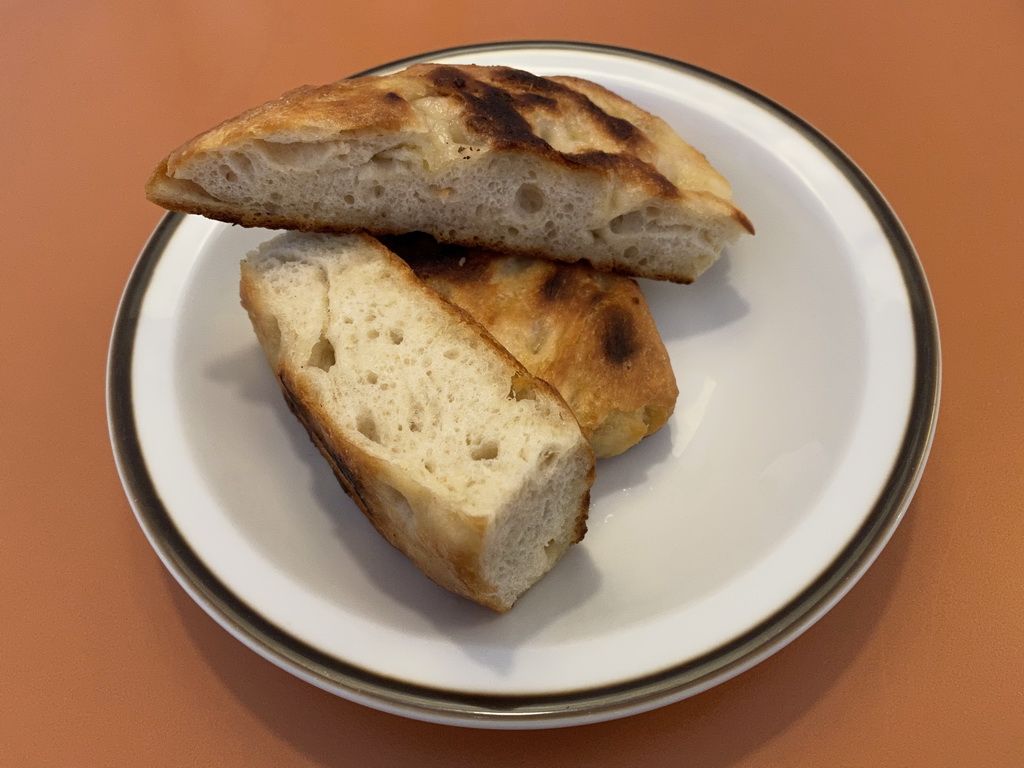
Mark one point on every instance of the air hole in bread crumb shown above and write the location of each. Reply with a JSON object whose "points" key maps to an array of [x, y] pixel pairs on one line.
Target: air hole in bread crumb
{"points": [[626, 223], [396, 335], [631, 252], [529, 199], [370, 377], [521, 389], [378, 191], [242, 163], [349, 199], [322, 355], [513, 231], [228, 174], [367, 426], [373, 333], [546, 457], [451, 354], [485, 451], [415, 426]]}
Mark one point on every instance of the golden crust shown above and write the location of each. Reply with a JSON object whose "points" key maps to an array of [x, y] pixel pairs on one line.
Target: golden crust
{"points": [[589, 334], [310, 112]]}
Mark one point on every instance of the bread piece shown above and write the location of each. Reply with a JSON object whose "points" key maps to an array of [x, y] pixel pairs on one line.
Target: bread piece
{"points": [[589, 334], [486, 156], [464, 461]]}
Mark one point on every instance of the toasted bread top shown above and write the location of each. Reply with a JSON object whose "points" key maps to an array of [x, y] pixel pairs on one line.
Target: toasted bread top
{"points": [[589, 334], [568, 120]]}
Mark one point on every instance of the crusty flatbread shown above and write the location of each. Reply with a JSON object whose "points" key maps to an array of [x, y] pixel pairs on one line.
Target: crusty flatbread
{"points": [[472, 467], [482, 156], [587, 333]]}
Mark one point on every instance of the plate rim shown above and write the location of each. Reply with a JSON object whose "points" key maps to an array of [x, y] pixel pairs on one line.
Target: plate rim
{"points": [[568, 707]]}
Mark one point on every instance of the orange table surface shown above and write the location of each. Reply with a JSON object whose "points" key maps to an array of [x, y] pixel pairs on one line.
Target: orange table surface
{"points": [[104, 661]]}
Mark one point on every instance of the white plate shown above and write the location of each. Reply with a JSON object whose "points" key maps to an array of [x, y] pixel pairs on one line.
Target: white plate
{"points": [[808, 364]]}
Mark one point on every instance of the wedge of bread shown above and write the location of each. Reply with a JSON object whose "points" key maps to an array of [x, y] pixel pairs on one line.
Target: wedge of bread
{"points": [[471, 466], [589, 334], [481, 156]]}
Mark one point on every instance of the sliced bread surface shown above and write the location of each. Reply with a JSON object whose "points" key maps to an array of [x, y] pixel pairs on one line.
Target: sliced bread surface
{"points": [[482, 156], [472, 467]]}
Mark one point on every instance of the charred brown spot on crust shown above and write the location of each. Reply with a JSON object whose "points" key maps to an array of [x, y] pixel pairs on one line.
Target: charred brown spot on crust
{"points": [[490, 111], [498, 110], [525, 80], [554, 286], [619, 128], [493, 116], [618, 336], [533, 85], [533, 101], [627, 165]]}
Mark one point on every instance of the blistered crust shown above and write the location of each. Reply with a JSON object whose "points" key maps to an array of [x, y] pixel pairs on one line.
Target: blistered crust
{"points": [[589, 334]]}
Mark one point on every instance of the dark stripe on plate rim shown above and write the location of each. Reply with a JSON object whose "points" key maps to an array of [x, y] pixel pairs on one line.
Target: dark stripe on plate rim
{"points": [[570, 707]]}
